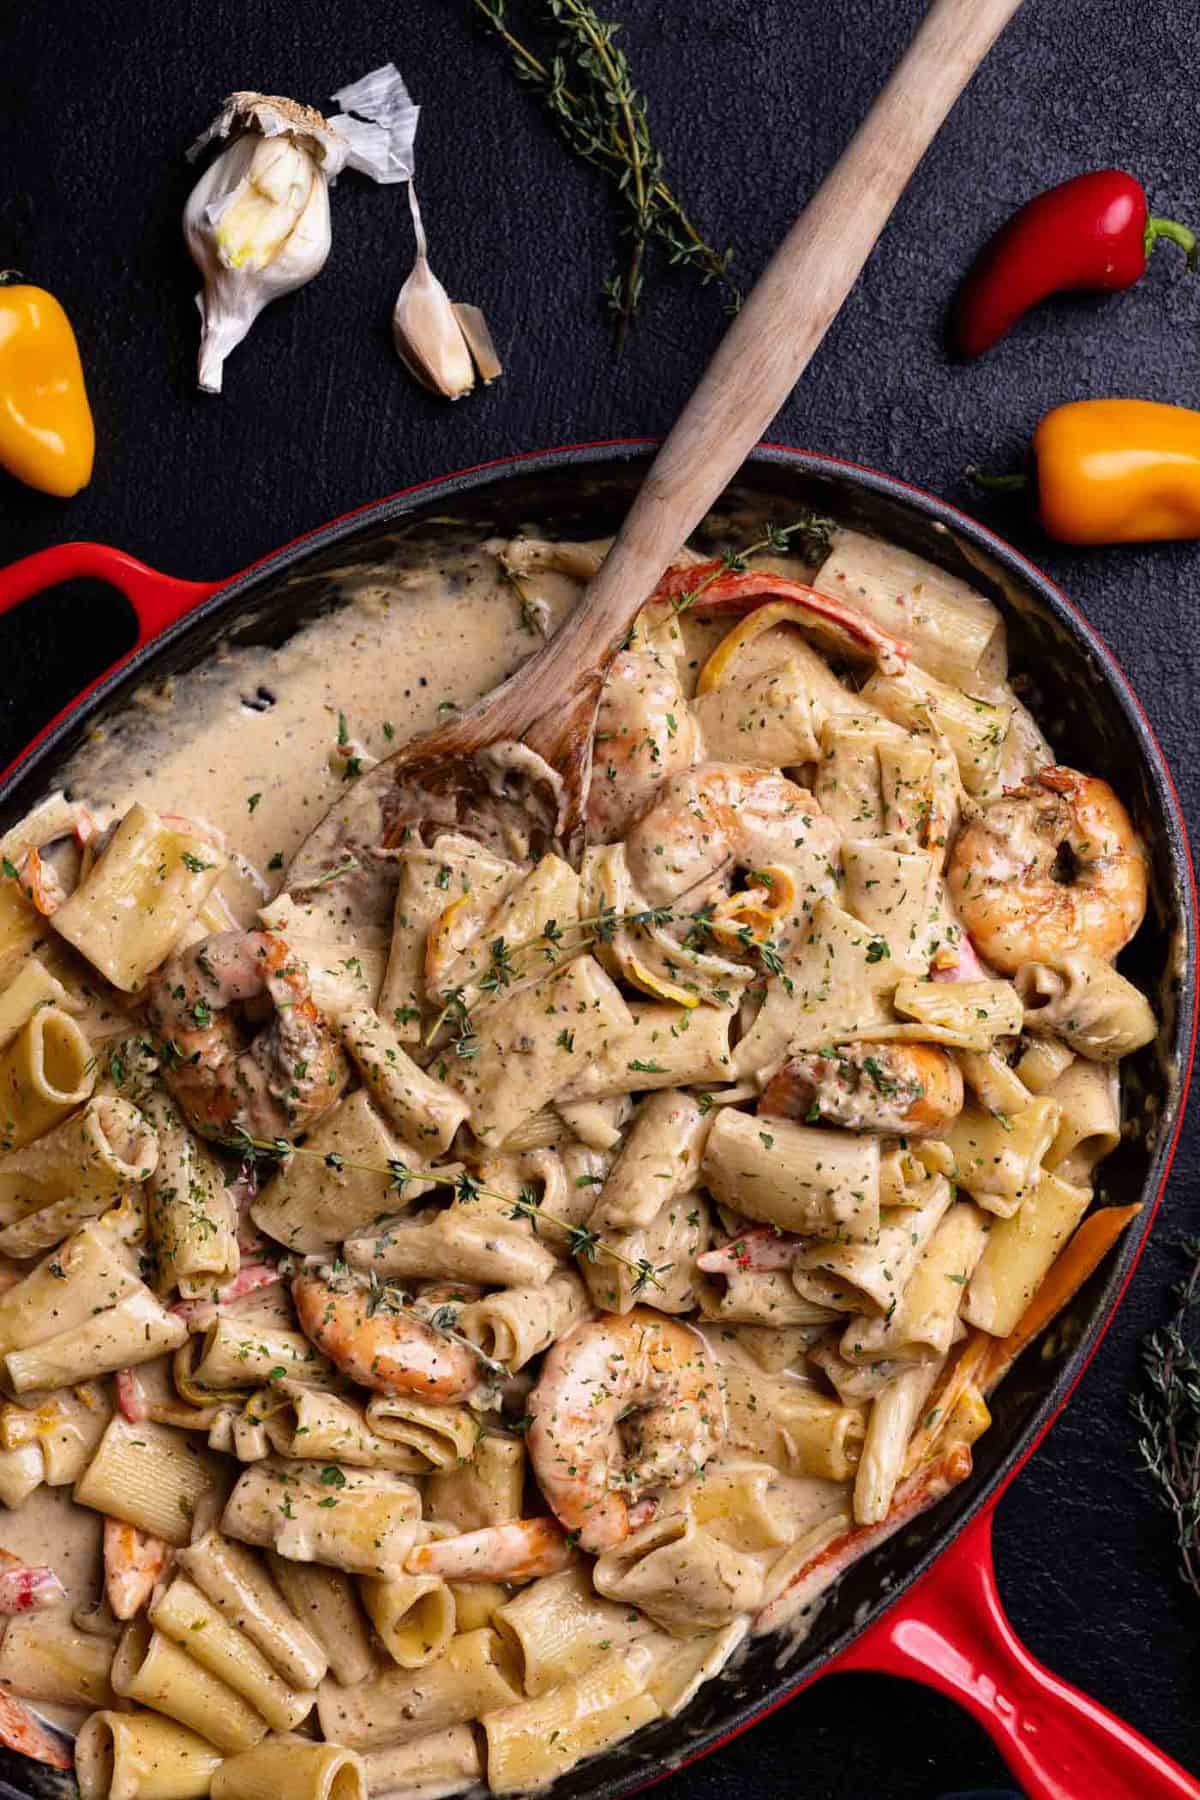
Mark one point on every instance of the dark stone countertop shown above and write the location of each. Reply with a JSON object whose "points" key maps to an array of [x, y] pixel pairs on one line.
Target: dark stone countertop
{"points": [[751, 101]]}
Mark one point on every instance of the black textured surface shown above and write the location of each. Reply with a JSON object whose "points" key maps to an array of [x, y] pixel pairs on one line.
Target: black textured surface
{"points": [[751, 100]]}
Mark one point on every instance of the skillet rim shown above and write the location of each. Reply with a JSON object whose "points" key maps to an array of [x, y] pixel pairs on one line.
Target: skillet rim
{"points": [[982, 1492]]}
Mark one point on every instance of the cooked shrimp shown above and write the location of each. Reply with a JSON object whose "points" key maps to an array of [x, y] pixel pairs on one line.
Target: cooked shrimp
{"points": [[717, 818], [291, 1073], [623, 1404], [907, 1088], [133, 1562], [517, 1551], [387, 1351], [645, 733], [1055, 866]]}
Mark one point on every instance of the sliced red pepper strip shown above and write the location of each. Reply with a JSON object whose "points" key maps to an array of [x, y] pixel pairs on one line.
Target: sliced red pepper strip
{"points": [[730, 590]]}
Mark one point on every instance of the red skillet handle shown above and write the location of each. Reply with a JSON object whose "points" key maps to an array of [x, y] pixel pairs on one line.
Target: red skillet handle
{"points": [[952, 1634], [158, 600]]}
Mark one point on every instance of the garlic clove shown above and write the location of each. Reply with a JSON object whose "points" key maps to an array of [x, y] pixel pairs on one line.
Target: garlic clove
{"points": [[428, 337], [265, 208], [474, 328]]}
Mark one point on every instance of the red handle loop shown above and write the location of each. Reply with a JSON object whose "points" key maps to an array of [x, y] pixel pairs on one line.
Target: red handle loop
{"points": [[158, 600], [952, 1634]]}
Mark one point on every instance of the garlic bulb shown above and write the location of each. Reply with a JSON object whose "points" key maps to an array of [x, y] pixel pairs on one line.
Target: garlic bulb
{"points": [[257, 222]]}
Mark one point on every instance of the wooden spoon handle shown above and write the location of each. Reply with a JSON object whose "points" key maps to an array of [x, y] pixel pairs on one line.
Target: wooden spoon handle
{"points": [[772, 339]]}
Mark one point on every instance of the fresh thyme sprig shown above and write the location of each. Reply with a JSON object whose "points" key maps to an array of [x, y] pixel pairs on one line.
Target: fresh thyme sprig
{"points": [[601, 117], [1168, 1413], [815, 529], [583, 1242]]}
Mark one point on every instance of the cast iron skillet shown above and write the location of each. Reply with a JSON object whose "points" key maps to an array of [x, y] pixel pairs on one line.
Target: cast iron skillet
{"points": [[925, 1603]]}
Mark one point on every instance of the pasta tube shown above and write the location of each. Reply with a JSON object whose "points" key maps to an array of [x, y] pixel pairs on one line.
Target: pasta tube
{"points": [[46, 1072], [970, 1014], [485, 1491], [530, 1743], [975, 729], [890, 1424], [325, 1600], [1019, 1253], [474, 1676], [152, 1670], [60, 1293], [681, 1575], [559, 1627], [413, 1615], [295, 1767], [442, 1762], [996, 1157], [794, 1176], [72, 1174], [141, 1756], [767, 720], [1083, 999], [313, 1425], [431, 1437], [133, 1331], [429, 880], [190, 1214], [791, 1425], [368, 1530], [141, 893], [923, 1323], [424, 1110], [186, 1616], [537, 1041], [662, 1047], [870, 1277], [66, 1426], [150, 1476], [319, 1199], [660, 1159], [235, 1353], [681, 1666], [836, 980], [43, 1656], [664, 1256], [516, 1324], [21, 1473], [954, 632], [1089, 1127], [240, 1588], [31, 988], [892, 886]]}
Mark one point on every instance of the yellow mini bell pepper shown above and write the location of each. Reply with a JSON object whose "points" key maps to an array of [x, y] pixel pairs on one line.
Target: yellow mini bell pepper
{"points": [[47, 438], [1114, 472]]}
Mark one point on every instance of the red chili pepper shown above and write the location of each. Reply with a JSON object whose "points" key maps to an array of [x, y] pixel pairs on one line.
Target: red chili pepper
{"points": [[1092, 232]]}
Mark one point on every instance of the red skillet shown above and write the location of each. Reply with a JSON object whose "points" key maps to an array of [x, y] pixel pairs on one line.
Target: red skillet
{"points": [[940, 1620]]}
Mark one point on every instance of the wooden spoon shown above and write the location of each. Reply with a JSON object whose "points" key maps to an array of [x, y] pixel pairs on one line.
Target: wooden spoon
{"points": [[477, 772]]}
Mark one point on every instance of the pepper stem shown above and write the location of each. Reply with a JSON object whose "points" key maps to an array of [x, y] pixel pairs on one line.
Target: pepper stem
{"points": [[992, 483], [1178, 234]]}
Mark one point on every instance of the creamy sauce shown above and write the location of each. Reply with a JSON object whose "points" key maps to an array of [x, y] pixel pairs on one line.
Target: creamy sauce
{"points": [[248, 742]]}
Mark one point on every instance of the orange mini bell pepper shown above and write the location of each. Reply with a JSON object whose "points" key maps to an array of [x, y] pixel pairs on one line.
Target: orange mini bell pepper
{"points": [[1114, 472], [47, 438]]}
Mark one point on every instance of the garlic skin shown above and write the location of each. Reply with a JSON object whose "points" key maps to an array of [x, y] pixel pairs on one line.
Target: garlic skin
{"points": [[257, 226], [257, 222]]}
